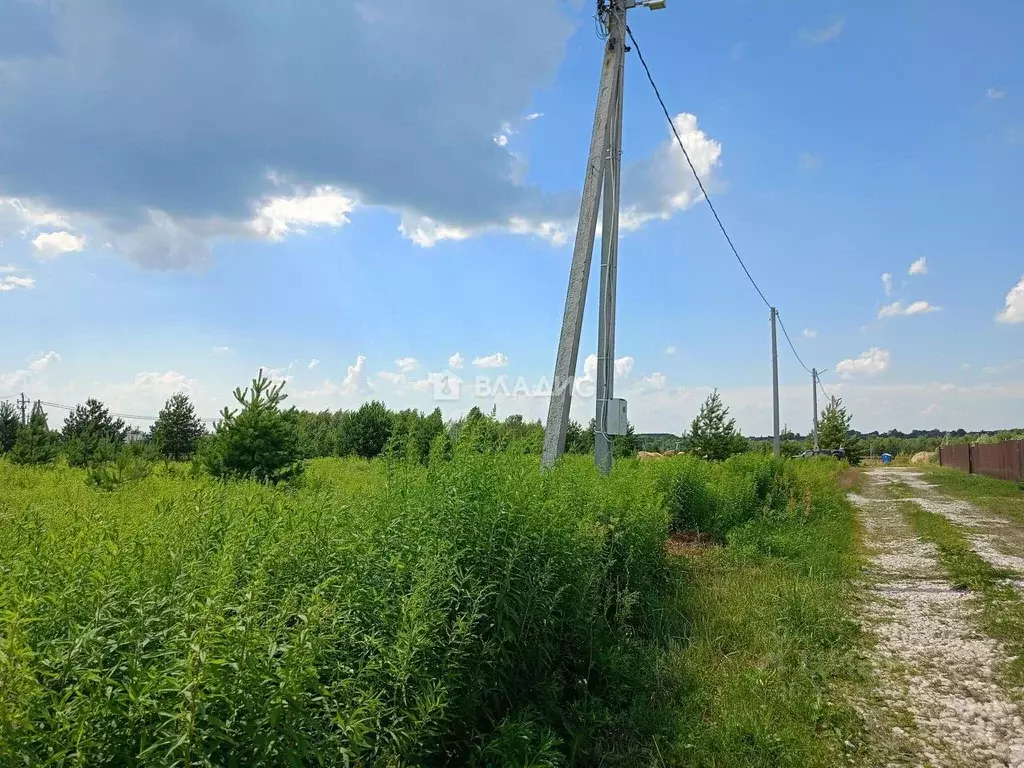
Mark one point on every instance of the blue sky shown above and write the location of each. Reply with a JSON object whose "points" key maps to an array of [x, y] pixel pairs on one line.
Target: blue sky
{"points": [[190, 191]]}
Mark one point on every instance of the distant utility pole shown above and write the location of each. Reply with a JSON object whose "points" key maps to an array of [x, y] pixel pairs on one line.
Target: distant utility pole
{"points": [[776, 441], [23, 402], [814, 397], [603, 166]]}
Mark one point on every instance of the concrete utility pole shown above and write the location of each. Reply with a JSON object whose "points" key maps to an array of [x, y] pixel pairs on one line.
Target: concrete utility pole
{"points": [[603, 166], [814, 398], [776, 441], [23, 402]]}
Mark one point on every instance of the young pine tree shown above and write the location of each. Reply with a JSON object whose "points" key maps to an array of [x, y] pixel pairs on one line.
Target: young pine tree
{"points": [[35, 443], [177, 430], [10, 425], [834, 431], [259, 441], [91, 435], [712, 434]]}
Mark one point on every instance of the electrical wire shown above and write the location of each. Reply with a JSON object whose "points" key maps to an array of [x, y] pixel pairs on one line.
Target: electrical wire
{"points": [[689, 162], [790, 341], [120, 415], [707, 197]]}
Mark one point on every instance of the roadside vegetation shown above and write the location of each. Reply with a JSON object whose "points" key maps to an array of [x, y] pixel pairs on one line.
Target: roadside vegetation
{"points": [[1000, 496], [428, 598]]}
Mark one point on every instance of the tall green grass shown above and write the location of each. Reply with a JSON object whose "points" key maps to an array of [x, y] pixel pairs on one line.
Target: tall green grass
{"points": [[383, 613], [471, 611], [765, 655]]}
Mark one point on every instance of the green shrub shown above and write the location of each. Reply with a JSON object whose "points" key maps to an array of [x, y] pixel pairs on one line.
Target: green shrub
{"points": [[259, 442]]}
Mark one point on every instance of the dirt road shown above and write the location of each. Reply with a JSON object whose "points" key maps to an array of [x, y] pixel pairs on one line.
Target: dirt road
{"points": [[942, 695]]}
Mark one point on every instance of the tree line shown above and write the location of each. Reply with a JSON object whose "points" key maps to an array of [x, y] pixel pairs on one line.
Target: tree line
{"points": [[262, 439]]}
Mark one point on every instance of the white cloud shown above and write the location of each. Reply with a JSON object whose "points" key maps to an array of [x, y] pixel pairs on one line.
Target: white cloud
{"points": [[497, 360], [407, 364], [313, 364], [166, 383], [809, 162], [9, 268], [533, 116], [391, 376], [656, 382], [624, 366], [278, 375], [355, 379], [887, 283], [277, 217], [43, 361], [995, 93], [37, 365], [426, 232], [663, 184], [501, 140], [13, 282], [23, 216], [931, 410], [1014, 310], [919, 267], [921, 308], [872, 362], [670, 350], [824, 35], [810, 333], [51, 244], [456, 361], [221, 350], [915, 308]]}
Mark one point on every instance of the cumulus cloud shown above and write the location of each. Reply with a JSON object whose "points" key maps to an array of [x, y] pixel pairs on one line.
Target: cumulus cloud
{"points": [[355, 381], [234, 80], [624, 366], [995, 93], [456, 361], [869, 363], [43, 361], [37, 365], [166, 383], [533, 116], [655, 382], [277, 217], [670, 350], [407, 364], [659, 186], [810, 333], [4, 268], [919, 267], [13, 282], [914, 308], [497, 360], [887, 283], [823, 35], [51, 244], [1013, 312]]}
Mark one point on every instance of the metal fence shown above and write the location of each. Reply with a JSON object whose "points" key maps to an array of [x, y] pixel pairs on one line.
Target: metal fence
{"points": [[1003, 460]]}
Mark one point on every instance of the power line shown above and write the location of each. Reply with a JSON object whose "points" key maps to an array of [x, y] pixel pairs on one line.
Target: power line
{"points": [[119, 415], [707, 197], [696, 175], [790, 341]]}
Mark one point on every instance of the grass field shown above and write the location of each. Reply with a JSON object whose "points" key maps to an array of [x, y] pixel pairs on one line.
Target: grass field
{"points": [[474, 612], [998, 496]]}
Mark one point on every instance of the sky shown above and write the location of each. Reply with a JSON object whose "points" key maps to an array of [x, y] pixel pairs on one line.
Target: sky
{"points": [[363, 198]]}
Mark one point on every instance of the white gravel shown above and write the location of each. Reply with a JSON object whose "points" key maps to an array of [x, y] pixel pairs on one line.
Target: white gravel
{"points": [[931, 661], [991, 535]]}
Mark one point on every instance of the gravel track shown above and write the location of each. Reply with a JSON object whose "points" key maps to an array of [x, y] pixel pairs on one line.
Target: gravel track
{"points": [[932, 663]]}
